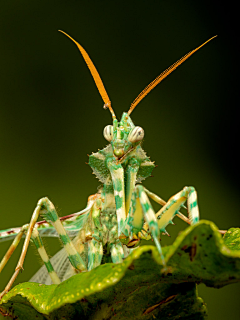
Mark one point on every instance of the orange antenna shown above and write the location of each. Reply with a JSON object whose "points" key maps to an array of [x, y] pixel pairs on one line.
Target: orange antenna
{"points": [[162, 76], [96, 76]]}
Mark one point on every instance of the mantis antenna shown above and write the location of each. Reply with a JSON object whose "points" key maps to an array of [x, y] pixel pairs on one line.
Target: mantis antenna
{"points": [[162, 76], [96, 76]]}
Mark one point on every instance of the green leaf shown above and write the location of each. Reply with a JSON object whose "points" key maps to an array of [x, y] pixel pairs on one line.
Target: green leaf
{"points": [[232, 239], [136, 288]]}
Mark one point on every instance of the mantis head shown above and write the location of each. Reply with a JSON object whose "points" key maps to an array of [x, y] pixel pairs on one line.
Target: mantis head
{"points": [[123, 135]]}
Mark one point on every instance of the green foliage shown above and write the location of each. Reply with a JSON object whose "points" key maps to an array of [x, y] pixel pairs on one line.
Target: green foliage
{"points": [[232, 239], [138, 288]]}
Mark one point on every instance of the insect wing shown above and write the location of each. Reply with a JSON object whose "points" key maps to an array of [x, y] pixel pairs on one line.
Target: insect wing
{"points": [[60, 261], [60, 264]]}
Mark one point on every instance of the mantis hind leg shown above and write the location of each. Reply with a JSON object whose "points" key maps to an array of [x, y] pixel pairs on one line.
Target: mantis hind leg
{"points": [[49, 213], [47, 210], [29, 229], [36, 239]]}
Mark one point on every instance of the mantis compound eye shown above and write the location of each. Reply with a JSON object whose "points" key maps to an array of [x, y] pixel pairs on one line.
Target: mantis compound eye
{"points": [[108, 133], [136, 134]]}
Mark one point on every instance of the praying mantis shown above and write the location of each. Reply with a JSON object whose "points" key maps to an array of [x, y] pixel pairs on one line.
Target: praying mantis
{"points": [[118, 216]]}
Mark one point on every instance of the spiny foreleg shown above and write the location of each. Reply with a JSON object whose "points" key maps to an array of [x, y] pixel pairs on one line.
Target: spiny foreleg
{"points": [[141, 212], [162, 202], [171, 208], [151, 220]]}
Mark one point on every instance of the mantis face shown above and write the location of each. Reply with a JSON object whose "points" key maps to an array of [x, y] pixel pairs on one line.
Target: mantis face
{"points": [[124, 135]]}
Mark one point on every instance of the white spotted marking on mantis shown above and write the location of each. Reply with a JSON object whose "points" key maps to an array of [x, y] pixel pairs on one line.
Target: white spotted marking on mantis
{"points": [[118, 216]]}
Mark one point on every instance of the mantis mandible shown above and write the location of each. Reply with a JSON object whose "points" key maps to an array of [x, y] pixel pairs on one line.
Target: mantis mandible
{"points": [[119, 215]]}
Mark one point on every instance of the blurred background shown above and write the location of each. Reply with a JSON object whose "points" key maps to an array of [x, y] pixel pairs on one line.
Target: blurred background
{"points": [[51, 113]]}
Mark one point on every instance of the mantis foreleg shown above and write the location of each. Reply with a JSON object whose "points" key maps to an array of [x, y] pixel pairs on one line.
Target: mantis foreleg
{"points": [[170, 209]]}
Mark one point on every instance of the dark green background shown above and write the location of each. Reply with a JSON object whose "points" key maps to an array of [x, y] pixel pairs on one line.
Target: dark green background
{"points": [[51, 113]]}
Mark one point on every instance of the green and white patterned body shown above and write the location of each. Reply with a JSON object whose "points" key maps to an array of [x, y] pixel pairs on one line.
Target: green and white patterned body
{"points": [[124, 213], [119, 167], [118, 216]]}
